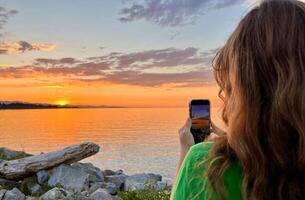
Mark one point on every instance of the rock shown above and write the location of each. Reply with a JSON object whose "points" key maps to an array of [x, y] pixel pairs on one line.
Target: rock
{"points": [[55, 193], [7, 154], [111, 188], [85, 193], [95, 174], [8, 184], [21, 168], [35, 189], [31, 198], [42, 176], [76, 177], [161, 186], [14, 194], [109, 172], [30, 186], [2, 193], [120, 171], [118, 180], [95, 186], [142, 181], [101, 194], [116, 198]]}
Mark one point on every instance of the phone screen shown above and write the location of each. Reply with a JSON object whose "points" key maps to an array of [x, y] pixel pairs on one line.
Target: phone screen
{"points": [[200, 116]]}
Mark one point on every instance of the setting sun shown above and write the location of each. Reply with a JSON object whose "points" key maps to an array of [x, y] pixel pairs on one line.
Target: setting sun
{"points": [[62, 102]]}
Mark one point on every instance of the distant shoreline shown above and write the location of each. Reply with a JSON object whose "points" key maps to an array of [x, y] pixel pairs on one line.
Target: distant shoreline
{"points": [[16, 105], [20, 105]]}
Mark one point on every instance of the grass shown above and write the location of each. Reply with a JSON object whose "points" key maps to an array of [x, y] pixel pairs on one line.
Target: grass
{"points": [[145, 195], [14, 155]]}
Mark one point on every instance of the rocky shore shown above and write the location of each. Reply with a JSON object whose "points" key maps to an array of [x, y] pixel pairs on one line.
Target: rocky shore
{"points": [[76, 180]]}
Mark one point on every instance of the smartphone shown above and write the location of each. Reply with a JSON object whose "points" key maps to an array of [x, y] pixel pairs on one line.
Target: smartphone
{"points": [[201, 121]]}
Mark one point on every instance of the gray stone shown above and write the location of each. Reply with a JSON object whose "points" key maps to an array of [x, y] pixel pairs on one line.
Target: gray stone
{"points": [[30, 185], [14, 194], [42, 176], [118, 180], [35, 189], [109, 172], [31, 198], [161, 186], [101, 194], [111, 188], [76, 177], [8, 184], [96, 175], [116, 198], [85, 193], [142, 181], [95, 186], [120, 171], [55, 193], [2, 193], [8, 154]]}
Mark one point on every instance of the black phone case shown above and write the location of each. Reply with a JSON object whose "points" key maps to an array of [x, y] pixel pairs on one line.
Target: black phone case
{"points": [[198, 135]]}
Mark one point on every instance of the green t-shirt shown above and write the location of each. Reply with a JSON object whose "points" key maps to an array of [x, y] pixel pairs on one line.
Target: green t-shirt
{"points": [[190, 181]]}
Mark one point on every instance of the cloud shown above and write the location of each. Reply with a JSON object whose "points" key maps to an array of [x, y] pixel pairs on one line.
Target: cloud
{"points": [[13, 47], [132, 77], [146, 68], [171, 13], [4, 16]]}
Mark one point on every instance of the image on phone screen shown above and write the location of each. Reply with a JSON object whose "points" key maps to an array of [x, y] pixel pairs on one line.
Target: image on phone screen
{"points": [[200, 116]]}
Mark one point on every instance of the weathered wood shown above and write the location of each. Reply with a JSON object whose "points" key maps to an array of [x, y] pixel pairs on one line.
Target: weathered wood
{"points": [[17, 169]]}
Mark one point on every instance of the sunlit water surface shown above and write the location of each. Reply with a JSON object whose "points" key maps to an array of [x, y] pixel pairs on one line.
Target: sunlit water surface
{"points": [[133, 139]]}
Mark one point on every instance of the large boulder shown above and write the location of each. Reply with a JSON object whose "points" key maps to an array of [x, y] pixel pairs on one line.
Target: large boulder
{"points": [[76, 177], [101, 194], [143, 181], [14, 194], [95, 174]]}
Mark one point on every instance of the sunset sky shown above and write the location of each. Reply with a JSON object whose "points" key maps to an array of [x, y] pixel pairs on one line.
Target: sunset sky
{"points": [[139, 53]]}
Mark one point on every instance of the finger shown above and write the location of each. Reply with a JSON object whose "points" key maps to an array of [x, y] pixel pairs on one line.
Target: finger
{"points": [[188, 123]]}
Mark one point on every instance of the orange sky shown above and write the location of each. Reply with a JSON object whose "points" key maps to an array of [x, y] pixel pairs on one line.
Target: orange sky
{"points": [[110, 94]]}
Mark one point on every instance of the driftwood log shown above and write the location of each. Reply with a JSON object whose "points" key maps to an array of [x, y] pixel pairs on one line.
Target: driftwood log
{"points": [[17, 169]]}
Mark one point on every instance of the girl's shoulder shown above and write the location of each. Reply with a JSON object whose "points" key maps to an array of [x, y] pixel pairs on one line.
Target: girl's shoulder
{"points": [[200, 150]]}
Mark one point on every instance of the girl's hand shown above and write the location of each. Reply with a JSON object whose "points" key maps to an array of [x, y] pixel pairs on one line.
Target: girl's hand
{"points": [[185, 135], [216, 130]]}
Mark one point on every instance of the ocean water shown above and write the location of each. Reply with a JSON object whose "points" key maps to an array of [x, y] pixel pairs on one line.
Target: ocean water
{"points": [[132, 139]]}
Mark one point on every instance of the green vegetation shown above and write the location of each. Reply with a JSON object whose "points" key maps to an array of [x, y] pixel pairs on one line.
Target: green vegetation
{"points": [[145, 195], [6, 154], [29, 182]]}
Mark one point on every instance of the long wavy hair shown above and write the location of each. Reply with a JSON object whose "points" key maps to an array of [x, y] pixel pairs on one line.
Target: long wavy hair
{"points": [[261, 73]]}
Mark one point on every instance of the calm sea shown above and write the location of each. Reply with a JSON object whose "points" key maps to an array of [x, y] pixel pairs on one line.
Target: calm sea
{"points": [[132, 139]]}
